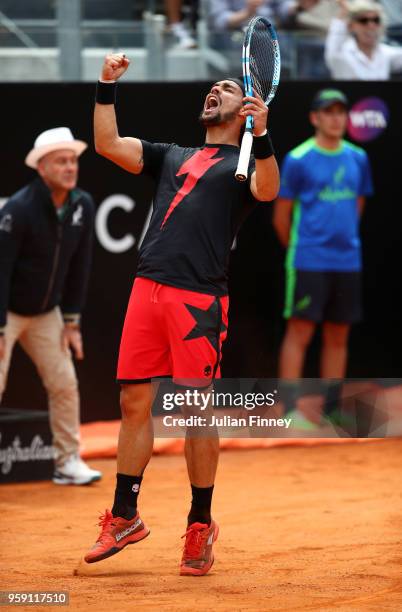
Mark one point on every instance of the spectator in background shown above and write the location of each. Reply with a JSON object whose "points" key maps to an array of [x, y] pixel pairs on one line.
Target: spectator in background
{"points": [[353, 47], [227, 19], [303, 44], [317, 18], [45, 253], [224, 15], [324, 182], [176, 26], [393, 9]]}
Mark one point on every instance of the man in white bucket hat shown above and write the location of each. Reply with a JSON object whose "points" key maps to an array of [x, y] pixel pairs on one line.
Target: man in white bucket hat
{"points": [[353, 48], [45, 254]]}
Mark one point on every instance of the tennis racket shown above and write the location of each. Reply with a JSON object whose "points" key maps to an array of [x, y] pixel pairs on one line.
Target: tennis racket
{"points": [[261, 71]]}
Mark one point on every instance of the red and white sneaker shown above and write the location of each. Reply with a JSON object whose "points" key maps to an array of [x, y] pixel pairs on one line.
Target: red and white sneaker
{"points": [[116, 533], [198, 556]]}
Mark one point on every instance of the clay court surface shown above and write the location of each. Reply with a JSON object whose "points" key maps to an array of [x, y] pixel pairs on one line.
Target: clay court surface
{"points": [[301, 529]]}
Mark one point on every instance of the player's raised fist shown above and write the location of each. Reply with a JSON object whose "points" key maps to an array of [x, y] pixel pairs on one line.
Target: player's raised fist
{"points": [[114, 66]]}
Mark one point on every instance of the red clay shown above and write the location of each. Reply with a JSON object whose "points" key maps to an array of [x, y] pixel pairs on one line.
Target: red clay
{"points": [[301, 529]]}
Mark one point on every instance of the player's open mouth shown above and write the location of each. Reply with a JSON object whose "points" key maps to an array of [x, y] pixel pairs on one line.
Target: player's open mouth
{"points": [[211, 103]]}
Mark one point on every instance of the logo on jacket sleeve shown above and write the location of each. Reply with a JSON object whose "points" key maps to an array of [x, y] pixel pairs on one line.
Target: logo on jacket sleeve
{"points": [[6, 223], [77, 216]]}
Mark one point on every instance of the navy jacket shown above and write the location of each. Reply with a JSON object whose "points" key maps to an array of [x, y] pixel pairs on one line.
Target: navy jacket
{"points": [[44, 261]]}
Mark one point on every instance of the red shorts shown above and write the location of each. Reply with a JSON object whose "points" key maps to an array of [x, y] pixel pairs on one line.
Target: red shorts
{"points": [[172, 332]]}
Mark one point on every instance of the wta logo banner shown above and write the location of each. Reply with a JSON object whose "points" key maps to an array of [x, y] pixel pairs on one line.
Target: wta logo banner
{"points": [[368, 119]]}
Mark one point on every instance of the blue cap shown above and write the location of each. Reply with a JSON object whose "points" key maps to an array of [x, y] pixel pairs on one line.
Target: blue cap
{"points": [[326, 97]]}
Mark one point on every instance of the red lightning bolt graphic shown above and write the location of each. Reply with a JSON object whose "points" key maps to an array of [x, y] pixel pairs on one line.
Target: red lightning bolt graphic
{"points": [[195, 167]]}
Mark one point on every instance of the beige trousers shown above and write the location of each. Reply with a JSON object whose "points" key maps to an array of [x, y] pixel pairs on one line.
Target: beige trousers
{"points": [[40, 337]]}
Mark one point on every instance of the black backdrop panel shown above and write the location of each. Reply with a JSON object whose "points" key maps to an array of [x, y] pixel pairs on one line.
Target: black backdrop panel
{"points": [[166, 113]]}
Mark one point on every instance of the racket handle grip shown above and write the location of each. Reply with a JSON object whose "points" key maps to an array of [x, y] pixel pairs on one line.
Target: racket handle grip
{"points": [[244, 157]]}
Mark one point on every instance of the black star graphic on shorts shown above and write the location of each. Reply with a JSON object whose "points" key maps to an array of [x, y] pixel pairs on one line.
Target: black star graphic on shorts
{"points": [[207, 322]]}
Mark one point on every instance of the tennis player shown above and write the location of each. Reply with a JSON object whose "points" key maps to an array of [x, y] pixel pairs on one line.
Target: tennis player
{"points": [[325, 181], [177, 315]]}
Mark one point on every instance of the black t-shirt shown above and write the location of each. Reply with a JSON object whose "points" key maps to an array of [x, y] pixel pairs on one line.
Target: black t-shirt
{"points": [[198, 208]]}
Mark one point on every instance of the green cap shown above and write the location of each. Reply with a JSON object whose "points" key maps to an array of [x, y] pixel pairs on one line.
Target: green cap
{"points": [[327, 97]]}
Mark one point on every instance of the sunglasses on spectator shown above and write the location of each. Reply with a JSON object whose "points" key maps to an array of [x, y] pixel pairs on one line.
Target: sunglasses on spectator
{"points": [[367, 20]]}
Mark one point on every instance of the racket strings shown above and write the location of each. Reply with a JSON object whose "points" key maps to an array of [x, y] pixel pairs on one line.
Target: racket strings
{"points": [[263, 61], [261, 71], [257, 78]]}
